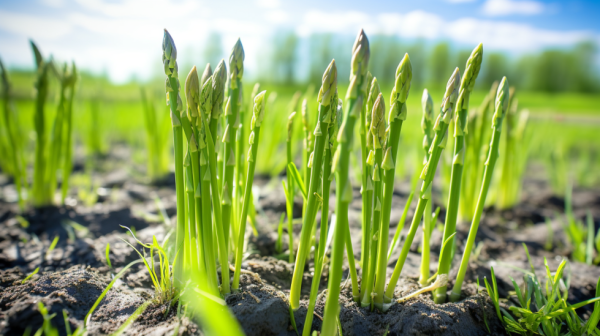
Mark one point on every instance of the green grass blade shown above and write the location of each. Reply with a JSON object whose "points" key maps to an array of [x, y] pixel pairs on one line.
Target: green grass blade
{"points": [[107, 252], [132, 318], [400, 225], [30, 275], [297, 178], [88, 316]]}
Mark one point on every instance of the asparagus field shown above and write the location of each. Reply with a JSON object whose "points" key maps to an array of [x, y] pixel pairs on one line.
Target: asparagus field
{"points": [[207, 204]]}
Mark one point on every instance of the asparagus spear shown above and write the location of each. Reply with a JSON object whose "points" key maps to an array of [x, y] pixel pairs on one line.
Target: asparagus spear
{"points": [[354, 103], [396, 117], [377, 136], [206, 74], [210, 153], [366, 194], [367, 185], [290, 186], [326, 180], [501, 108], [68, 158], [460, 128], [435, 151], [236, 68], [41, 86], [192, 94], [169, 58], [325, 117], [427, 127], [257, 118]]}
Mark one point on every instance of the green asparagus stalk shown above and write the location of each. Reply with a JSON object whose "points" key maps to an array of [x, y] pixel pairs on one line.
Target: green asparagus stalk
{"points": [[210, 175], [326, 182], [20, 174], [236, 68], [307, 147], [371, 227], [460, 128], [56, 136], [41, 85], [325, 117], [290, 186], [169, 58], [367, 185], [378, 137], [501, 108], [435, 151], [257, 118], [67, 166], [478, 151], [191, 253], [364, 151], [396, 117], [192, 93], [219, 79], [354, 103], [427, 127]]}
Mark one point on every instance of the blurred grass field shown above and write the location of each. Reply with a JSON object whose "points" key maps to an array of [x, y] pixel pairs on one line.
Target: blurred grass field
{"points": [[563, 126]]}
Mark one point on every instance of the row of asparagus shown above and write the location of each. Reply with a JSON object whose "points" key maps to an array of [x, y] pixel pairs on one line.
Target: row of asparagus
{"points": [[214, 185]]}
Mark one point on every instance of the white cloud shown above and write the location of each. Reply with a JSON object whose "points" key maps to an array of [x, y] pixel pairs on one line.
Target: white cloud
{"points": [[510, 36], [277, 16], [510, 7], [33, 26], [268, 3], [124, 38], [316, 21], [151, 9]]}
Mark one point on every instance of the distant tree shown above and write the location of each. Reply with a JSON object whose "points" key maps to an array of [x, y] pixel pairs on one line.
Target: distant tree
{"points": [[284, 57], [583, 56], [440, 65], [494, 67], [551, 71], [321, 54], [416, 52]]}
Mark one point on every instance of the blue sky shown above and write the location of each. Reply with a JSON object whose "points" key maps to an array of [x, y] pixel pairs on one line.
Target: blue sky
{"points": [[123, 38]]}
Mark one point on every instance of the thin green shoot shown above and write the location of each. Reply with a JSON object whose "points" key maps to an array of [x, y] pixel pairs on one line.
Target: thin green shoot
{"points": [[479, 300], [47, 328], [279, 243], [590, 239], [293, 320], [139, 311], [107, 254], [542, 309], [162, 278], [52, 245], [22, 221], [400, 225], [35, 271], [88, 316], [215, 317], [297, 178]]}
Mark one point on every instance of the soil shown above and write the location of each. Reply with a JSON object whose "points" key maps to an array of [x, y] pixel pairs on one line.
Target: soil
{"points": [[75, 272]]}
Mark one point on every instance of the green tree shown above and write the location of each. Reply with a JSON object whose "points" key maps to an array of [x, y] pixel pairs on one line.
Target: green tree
{"points": [[283, 58], [439, 64], [494, 67]]}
